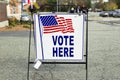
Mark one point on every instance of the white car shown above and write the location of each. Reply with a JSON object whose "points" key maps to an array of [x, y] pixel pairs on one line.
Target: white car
{"points": [[104, 14], [25, 17]]}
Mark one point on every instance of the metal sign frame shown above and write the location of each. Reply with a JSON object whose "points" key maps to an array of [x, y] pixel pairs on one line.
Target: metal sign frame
{"points": [[86, 55]]}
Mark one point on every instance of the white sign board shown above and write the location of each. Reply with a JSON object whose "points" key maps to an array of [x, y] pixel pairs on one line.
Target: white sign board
{"points": [[59, 37]]}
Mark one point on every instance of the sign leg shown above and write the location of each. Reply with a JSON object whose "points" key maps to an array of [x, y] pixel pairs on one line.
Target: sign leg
{"points": [[29, 48], [87, 46]]}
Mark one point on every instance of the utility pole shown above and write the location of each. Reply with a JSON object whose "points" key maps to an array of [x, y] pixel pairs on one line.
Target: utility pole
{"points": [[57, 5]]}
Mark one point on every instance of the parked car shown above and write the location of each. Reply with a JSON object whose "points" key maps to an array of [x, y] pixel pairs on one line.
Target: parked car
{"points": [[9, 17], [111, 13], [104, 14], [117, 14], [25, 17]]}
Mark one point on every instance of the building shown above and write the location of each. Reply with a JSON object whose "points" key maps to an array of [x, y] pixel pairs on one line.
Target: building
{"points": [[3, 14], [14, 8]]}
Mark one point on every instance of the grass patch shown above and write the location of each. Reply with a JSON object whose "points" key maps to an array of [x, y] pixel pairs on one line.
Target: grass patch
{"points": [[26, 26]]}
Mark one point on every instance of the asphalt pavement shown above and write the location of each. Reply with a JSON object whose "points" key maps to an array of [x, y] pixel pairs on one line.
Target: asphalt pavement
{"points": [[14, 34], [103, 58]]}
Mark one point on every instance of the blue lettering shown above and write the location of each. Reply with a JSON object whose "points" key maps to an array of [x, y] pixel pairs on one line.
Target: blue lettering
{"points": [[66, 37], [60, 52], [54, 40], [55, 52], [71, 52], [63, 52], [71, 40], [60, 40], [63, 40]]}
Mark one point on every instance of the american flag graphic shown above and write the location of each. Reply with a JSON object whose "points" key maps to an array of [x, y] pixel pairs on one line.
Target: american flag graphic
{"points": [[52, 24]]}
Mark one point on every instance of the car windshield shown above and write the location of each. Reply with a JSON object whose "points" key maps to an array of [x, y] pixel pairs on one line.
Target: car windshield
{"points": [[24, 15]]}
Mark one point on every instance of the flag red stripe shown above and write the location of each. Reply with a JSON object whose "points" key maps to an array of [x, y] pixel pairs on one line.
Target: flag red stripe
{"points": [[51, 31], [56, 28]]}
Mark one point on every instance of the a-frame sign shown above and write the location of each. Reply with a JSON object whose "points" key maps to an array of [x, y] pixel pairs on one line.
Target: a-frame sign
{"points": [[59, 39]]}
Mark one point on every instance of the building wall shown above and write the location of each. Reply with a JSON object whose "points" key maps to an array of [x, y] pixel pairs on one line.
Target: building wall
{"points": [[3, 12], [14, 8], [3, 15]]}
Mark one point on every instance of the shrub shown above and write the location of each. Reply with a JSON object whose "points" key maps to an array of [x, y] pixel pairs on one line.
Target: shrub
{"points": [[13, 22]]}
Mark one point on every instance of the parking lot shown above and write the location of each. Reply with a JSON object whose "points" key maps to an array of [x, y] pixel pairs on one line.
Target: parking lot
{"points": [[103, 58]]}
